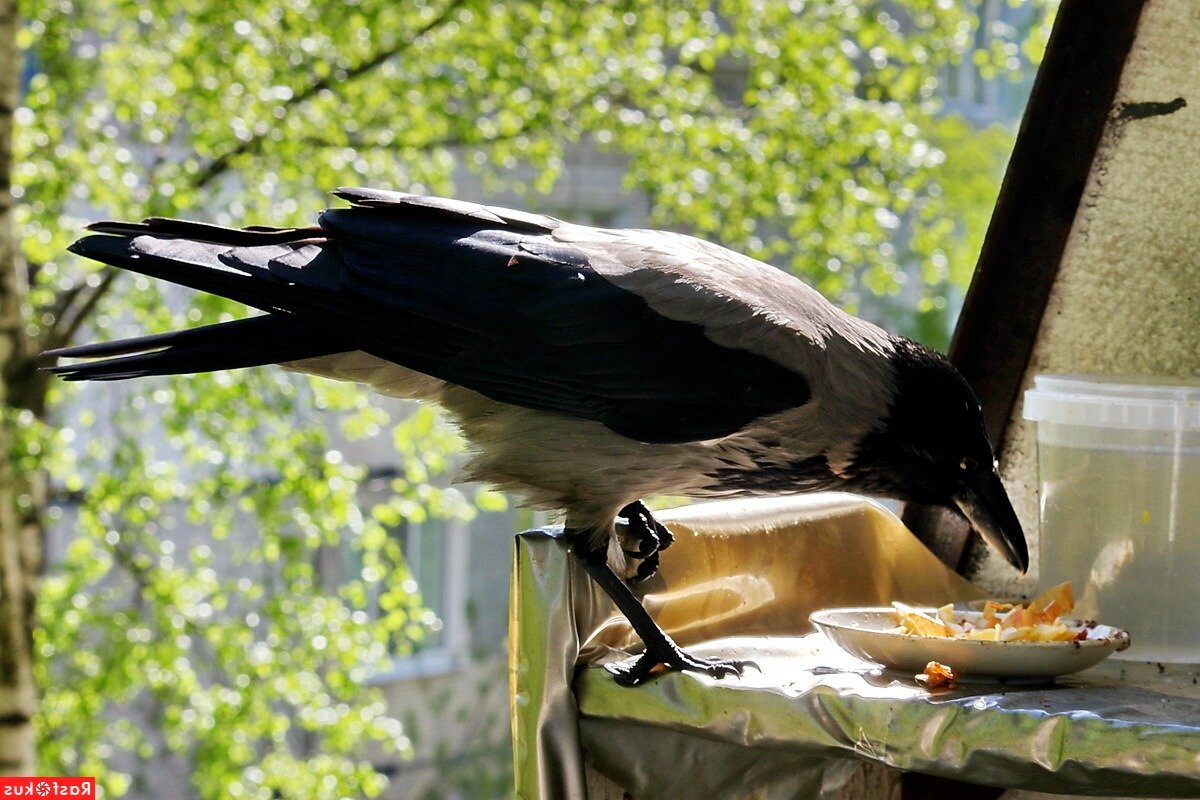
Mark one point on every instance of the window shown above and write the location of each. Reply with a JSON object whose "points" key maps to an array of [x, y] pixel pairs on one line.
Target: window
{"points": [[437, 552]]}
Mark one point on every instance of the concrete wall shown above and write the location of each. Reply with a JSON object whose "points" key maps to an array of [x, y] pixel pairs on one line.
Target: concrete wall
{"points": [[1127, 297]]}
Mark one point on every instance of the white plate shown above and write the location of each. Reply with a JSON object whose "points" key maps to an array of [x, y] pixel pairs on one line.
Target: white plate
{"points": [[868, 634]]}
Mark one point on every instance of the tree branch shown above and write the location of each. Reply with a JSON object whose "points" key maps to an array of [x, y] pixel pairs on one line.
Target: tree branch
{"points": [[66, 325], [221, 164], [359, 143]]}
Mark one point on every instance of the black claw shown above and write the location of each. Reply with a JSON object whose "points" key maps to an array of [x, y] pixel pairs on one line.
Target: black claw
{"points": [[652, 537], [647, 546], [632, 673], [646, 569], [665, 537]]}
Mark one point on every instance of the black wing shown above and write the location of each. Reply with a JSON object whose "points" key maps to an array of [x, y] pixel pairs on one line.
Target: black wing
{"points": [[478, 296]]}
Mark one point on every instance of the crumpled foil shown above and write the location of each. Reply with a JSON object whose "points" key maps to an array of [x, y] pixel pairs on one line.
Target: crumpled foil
{"points": [[741, 581]]}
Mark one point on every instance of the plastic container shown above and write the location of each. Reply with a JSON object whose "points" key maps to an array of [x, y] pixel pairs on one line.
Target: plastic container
{"points": [[1119, 474]]}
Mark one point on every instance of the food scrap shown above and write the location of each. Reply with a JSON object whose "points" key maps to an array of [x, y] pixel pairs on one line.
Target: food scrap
{"points": [[1039, 620], [937, 675]]}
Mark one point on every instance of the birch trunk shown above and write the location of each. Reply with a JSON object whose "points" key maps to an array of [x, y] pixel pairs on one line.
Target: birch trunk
{"points": [[21, 496]]}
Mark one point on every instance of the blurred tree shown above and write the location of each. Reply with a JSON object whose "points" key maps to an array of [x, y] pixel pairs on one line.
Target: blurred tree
{"points": [[797, 131], [20, 543]]}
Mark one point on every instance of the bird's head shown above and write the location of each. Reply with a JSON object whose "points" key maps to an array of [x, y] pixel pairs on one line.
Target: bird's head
{"points": [[931, 447]]}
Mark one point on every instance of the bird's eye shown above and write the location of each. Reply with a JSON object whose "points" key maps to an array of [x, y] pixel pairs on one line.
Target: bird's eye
{"points": [[968, 465]]}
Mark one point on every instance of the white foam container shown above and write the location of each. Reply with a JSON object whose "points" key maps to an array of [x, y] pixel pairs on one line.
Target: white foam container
{"points": [[1119, 481]]}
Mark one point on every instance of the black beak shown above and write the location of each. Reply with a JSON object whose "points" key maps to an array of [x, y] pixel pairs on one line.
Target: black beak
{"points": [[985, 503]]}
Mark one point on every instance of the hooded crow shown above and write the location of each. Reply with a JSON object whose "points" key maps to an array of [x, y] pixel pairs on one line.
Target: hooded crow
{"points": [[588, 367]]}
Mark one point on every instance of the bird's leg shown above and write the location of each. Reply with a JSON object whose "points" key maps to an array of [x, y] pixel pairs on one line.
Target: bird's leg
{"points": [[660, 648], [652, 537]]}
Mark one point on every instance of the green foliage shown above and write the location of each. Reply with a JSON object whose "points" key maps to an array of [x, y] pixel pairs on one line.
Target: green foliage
{"points": [[799, 131], [234, 658], [970, 177]]}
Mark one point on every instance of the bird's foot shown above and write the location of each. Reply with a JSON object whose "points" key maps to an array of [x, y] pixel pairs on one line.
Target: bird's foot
{"points": [[651, 535], [661, 650], [670, 655]]}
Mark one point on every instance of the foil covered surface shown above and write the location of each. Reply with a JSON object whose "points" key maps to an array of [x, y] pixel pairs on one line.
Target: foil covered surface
{"points": [[740, 581]]}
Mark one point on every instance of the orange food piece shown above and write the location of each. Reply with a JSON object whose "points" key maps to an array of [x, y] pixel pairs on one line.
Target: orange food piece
{"points": [[993, 610], [1019, 617], [922, 625], [1053, 603], [916, 622], [936, 675]]}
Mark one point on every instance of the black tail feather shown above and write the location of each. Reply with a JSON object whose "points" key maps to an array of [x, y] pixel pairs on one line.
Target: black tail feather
{"points": [[228, 345], [199, 256], [190, 263], [162, 227]]}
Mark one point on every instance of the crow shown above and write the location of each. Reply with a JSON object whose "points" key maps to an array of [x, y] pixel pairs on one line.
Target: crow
{"points": [[588, 367]]}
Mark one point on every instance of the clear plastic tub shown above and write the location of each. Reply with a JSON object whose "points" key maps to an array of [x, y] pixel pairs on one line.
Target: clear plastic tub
{"points": [[1119, 474]]}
